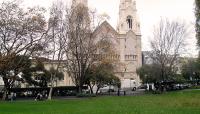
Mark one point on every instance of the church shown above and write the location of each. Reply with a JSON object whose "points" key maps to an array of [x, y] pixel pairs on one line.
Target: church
{"points": [[127, 43], [127, 40]]}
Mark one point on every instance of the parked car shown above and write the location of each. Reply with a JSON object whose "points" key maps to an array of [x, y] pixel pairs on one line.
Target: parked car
{"points": [[143, 86]]}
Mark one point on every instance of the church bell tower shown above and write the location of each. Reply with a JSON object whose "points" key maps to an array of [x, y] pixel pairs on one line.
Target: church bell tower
{"points": [[128, 19]]}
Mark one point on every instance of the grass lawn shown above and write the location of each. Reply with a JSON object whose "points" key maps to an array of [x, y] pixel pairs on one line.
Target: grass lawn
{"points": [[181, 102]]}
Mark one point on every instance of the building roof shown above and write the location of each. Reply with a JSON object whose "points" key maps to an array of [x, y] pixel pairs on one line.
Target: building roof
{"points": [[103, 25]]}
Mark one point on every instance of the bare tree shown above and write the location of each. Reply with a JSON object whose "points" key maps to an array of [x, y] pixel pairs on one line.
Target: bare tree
{"points": [[168, 42], [80, 44], [83, 49], [55, 42], [20, 34]]}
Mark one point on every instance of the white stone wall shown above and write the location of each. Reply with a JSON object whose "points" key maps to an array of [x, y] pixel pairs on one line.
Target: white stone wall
{"points": [[127, 8], [67, 80], [132, 40], [1, 81]]}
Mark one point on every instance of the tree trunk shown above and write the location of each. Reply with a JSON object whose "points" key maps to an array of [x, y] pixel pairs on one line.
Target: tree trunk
{"points": [[80, 89], [91, 89], [6, 86], [162, 73], [109, 90], [51, 88], [97, 90], [50, 93], [5, 94]]}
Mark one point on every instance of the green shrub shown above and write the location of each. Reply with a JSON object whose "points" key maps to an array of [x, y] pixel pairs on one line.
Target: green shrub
{"points": [[195, 87], [85, 95], [157, 92]]}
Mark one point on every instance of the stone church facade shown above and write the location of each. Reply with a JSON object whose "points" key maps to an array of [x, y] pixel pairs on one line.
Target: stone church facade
{"points": [[127, 40], [127, 44]]}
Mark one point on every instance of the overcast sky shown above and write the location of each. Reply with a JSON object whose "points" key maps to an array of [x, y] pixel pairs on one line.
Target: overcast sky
{"points": [[149, 11]]}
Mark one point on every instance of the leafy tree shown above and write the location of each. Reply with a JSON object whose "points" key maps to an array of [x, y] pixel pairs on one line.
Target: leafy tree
{"points": [[14, 72], [101, 75], [21, 32], [191, 70], [149, 73], [36, 74], [197, 13], [57, 75], [90, 79]]}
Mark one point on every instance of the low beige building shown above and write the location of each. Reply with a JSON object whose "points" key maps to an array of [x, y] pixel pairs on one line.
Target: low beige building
{"points": [[66, 81]]}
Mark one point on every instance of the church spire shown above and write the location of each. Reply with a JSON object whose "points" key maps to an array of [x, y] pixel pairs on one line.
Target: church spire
{"points": [[128, 17], [78, 2]]}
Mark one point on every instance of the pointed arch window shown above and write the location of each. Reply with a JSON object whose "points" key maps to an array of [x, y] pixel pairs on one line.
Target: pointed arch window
{"points": [[129, 22]]}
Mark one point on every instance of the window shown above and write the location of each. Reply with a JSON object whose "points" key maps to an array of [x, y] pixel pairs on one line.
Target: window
{"points": [[129, 22]]}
